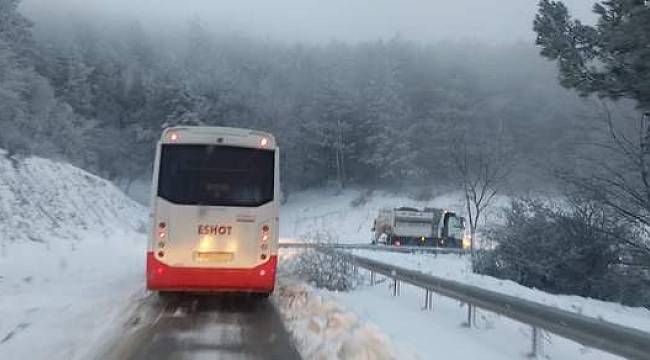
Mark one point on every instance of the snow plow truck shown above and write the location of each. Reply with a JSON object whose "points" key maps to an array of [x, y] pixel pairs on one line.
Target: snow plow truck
{"points": [[406, 226]]}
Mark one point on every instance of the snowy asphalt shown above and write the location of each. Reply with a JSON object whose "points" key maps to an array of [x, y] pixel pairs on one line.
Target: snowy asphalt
{"points": [[224, 326]]}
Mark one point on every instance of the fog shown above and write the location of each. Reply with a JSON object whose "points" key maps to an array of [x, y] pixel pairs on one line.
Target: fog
{"points": [[318, 21]]}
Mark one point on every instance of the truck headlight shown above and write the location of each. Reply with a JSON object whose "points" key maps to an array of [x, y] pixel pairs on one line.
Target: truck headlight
{"points": [[467, 242]]}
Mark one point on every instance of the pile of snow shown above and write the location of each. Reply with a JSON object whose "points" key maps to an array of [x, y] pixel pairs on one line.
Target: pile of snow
{"points": [[72, 252], [323, 329]]}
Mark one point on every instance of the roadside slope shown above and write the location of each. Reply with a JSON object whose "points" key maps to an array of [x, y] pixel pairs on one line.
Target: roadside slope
{"points": [[71, 258]]}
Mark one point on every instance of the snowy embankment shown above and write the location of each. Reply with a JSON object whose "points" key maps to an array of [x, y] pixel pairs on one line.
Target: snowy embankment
{"points": [[400, 321], [71, 259]]}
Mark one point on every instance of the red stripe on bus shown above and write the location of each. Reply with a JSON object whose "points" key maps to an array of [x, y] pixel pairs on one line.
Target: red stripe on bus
{"points": [[161, 276]]}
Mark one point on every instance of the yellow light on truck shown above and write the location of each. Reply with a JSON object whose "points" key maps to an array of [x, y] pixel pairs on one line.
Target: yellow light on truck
{"points": [[264, 142], [467, 242]]}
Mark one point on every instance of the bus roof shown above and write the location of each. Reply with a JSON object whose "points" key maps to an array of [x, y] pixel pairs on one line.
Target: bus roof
{"points": [[218, 135]]}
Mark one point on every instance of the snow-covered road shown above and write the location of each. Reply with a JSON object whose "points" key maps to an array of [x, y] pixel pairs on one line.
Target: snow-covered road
{"points": [[229, 326]]}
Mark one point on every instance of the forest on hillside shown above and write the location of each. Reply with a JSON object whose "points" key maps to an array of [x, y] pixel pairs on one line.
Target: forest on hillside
{"points": [[381, 113]]}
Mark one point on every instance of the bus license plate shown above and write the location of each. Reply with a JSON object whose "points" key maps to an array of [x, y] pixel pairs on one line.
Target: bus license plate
{"points": [[214, 256]]}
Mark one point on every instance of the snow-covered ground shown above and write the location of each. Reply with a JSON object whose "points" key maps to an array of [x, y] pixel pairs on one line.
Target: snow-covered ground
{"points": [[71, 259], [454, 267], [400, 321], [325, 324], [61, 298]]}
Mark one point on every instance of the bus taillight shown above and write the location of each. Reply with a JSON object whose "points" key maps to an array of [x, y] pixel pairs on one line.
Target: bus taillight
{"points": [[162, 230], [265, 233]]}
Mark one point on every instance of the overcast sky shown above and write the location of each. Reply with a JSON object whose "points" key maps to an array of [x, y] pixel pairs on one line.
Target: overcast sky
{"points": [[493, 21]]}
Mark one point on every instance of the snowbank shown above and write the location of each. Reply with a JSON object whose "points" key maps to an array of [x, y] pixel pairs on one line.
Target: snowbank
{"points": [[71, 258], [323, 329]]}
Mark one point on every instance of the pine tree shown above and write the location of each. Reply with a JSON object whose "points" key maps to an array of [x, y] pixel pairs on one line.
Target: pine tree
{"points": [[611, 59]]}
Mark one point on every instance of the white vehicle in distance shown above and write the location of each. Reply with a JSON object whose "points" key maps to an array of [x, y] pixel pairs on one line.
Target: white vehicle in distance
{"points": [[215, 208]]}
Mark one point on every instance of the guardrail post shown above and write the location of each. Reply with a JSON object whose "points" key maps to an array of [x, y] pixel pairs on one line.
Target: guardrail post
{"points": [[372, 278], [428, 300], [536, 343], [395, 283], [470, 311]]}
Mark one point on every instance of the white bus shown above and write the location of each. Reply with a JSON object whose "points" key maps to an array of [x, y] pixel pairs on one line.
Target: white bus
{"points": [[215, 206]]}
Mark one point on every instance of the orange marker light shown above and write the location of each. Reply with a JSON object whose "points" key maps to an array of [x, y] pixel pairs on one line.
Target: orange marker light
{"points": [[173, 136], [264, 141]]}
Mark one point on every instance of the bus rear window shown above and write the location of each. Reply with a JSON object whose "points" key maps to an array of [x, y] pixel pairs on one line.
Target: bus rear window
{"points": [[213, 175]]}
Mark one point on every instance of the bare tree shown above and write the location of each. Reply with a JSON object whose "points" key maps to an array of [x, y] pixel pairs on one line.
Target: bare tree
{"points": [[618, 174], [483, 168]]}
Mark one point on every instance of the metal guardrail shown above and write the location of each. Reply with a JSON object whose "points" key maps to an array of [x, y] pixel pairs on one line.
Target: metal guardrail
{"points": [[386, 248], [613, 338]]}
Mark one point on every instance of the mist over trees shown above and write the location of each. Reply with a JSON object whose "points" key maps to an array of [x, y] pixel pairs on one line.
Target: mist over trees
{"points": [[375, 113]]}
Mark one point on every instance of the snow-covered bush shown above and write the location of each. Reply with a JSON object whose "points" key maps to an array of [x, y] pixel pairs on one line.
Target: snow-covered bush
{"points": [[577, 247], [330, 271]]}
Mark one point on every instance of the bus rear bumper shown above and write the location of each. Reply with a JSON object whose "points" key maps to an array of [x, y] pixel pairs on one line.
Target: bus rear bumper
{"points": [[162, 277]]}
